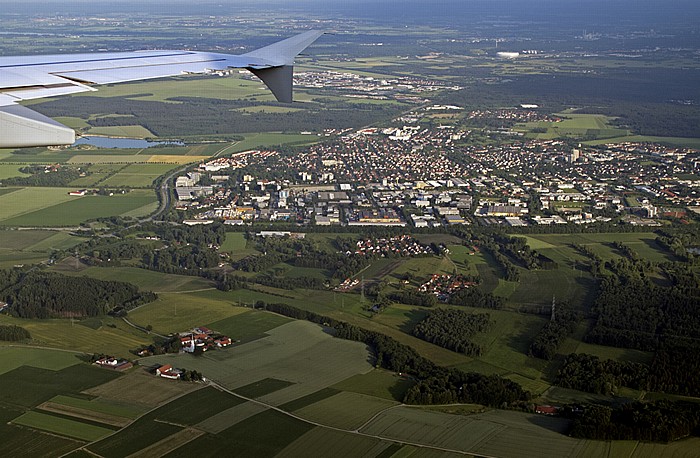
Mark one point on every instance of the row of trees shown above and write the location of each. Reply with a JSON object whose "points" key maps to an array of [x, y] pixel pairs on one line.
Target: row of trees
{"points": [[436, 385], [413, 297], [451, 329]]}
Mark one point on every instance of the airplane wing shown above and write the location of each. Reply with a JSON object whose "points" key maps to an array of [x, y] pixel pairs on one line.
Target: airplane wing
{"points": [[33, 77]]}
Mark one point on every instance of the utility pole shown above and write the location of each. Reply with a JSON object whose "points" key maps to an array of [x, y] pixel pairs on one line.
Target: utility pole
{"points": [[554, 304]]}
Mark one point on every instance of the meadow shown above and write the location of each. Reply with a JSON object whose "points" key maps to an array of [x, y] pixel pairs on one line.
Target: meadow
{"points": [[39, 207]]}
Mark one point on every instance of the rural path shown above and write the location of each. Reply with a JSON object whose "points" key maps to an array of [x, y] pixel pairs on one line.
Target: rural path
{"points": [[350, 431], [136, 326]]}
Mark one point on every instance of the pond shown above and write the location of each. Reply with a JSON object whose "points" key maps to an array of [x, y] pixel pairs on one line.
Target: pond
{"points": [[123, 143]]}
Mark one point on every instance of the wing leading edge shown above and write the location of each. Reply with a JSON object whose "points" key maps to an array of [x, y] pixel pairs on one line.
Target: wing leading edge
{"points": [[33, 77]]}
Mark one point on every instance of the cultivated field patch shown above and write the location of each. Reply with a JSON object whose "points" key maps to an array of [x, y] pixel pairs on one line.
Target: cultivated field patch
{"points": [[62, 426], [345, 410]]}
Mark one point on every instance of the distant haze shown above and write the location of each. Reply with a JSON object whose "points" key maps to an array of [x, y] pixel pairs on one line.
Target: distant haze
{"points": [[408, 11]]}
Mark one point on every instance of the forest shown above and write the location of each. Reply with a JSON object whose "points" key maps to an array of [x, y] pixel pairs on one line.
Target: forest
{"points": [[553, 334], [451, 329], [207, 117], [37, 294]]}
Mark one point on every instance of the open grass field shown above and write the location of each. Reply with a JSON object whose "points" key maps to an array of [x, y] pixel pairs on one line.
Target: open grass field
{"points": [[13, 357], [138, 176], [147, 280], [175, 312], [345, 410], [114, 337], [20, 240], [11, 170], [378, 383], [54, 207], [249, 325], [584, 126], [298, 352], [235, 243], [62, 426]]}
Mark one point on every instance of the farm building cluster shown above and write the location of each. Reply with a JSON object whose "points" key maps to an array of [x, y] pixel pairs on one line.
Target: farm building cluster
{"points": [[202, 339]]}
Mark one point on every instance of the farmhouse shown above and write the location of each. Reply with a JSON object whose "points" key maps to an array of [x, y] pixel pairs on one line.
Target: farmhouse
{"points": [[167, 371], [111, 362], [546, 410]]}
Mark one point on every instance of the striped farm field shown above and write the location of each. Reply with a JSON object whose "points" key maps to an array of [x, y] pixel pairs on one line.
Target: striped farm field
{"points": [[327, 442], [345, 410], [62, 426]]}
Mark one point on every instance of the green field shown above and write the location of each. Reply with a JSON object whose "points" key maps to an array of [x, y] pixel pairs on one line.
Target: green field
{"points": [[147, 280], [378, 383], [325, 442], [54, 207], [176, 312], [62, 426], [345, 410], [114, 337], [271, 139], [298, 352], [137, 175], [262, 387], [40, 385], [22, 441], [581, 126], [101, 406], [11, 170], [249, 325], [13, 357]]}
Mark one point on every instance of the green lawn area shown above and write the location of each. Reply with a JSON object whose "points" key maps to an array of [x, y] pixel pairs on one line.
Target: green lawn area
{"points": [[270, 139]]}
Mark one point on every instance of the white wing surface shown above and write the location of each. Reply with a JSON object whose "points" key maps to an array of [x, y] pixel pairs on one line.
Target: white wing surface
{"points": [[33, 77]]}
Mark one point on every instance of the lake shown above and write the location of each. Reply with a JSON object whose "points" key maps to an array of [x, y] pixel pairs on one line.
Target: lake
{"points": [[122, 143]]}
